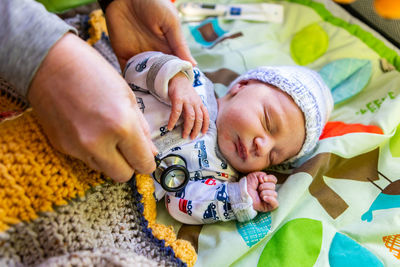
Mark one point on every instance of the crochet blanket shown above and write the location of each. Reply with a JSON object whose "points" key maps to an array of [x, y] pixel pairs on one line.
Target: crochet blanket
{"points": [[55, 211]]}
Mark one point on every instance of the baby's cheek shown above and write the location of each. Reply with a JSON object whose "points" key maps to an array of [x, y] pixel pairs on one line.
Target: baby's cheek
{"points": [[224, 142]]}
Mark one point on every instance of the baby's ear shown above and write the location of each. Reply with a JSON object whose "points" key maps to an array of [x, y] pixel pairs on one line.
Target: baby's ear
{"points": [[237, 87]]}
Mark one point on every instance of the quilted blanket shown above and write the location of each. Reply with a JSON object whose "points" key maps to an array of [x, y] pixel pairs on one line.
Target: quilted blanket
{"points": [[341, 205]]}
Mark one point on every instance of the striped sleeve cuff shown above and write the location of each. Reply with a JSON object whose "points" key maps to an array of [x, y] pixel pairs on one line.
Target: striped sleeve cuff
{"points": [[241, 202]]}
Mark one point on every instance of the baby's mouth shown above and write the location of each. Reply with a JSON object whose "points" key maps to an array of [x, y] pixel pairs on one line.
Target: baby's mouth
{"points": [[241, 150]]}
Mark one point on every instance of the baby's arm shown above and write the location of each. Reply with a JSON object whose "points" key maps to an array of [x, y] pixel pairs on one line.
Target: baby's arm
{"points": [[261, 188], [170, 80], [201, 201], [211, 200]]}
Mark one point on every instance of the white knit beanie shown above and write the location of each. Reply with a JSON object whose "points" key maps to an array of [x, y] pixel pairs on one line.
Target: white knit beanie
{"points": [[308, 91]]}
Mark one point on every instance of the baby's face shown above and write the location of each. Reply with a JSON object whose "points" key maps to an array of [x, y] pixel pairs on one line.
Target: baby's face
{"points": [[258, 126]]}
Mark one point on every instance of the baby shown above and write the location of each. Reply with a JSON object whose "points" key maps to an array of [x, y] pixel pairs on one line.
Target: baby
{"points": [[269, 115]]}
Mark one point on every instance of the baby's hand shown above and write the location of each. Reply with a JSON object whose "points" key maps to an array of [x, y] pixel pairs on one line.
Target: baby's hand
{"points": [[184, 97], [261, 188]]}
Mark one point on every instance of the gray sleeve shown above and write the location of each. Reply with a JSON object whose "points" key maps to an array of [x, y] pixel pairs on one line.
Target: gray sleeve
{"points": [[27, 33]]}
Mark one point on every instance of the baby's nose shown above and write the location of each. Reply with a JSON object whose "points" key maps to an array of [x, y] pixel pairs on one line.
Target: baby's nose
{"points": [[263, 146]]}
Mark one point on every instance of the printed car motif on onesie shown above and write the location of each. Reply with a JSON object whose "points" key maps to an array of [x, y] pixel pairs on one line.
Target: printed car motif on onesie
{"points": [[196, 81], [163, 130], [210, 181], [180, 193], [202, 154], [223, 175], [210, 214], [136, 88], [224, 165], [185, 206], [198, 176], [176, 148], [222, 195], [142, 65], [140, 103]]}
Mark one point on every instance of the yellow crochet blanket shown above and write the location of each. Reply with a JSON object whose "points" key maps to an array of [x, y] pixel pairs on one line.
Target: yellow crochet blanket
{"points": [[36, 179]]}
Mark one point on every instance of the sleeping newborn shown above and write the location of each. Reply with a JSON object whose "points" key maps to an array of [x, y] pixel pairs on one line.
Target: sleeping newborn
{"points": [[270, 115]]}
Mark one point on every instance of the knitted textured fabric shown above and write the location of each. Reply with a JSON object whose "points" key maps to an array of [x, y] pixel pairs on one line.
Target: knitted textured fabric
{"points": [[308, 91], [55, 211], [14, 104]]}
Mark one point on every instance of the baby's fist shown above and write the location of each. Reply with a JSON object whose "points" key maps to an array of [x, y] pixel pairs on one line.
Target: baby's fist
{"points": [[261, 188]]}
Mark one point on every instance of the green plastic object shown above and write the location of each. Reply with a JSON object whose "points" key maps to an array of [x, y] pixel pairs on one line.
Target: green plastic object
{"points": [[58, 6]]}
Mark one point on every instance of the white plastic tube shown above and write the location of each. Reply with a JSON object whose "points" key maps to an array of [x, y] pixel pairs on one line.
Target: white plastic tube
{"points": [[257, 12]]}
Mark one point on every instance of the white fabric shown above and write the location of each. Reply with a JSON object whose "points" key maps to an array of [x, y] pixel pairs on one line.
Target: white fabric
{"points": [[242, 202], [205, 199]]}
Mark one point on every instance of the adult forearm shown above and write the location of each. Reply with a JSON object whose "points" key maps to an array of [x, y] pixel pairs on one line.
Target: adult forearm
{"points": [[27, 33]]}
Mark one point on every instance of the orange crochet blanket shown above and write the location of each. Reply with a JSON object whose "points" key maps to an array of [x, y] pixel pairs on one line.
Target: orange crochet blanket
{"points": [[64, 207]]}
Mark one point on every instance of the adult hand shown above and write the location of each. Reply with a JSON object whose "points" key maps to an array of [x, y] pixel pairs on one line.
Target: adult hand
{"points": [[136, 26], [89, 112]]}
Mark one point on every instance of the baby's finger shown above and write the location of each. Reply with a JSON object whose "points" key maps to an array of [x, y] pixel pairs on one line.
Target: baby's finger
{"points": [[176, 112], [206, 119], [266, 186], [197, 124], [268, 193], [189, 117], [270, 178], [261, 176], [272, 202]]}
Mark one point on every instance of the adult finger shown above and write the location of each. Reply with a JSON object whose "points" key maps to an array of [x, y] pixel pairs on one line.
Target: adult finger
{"points": [[178, 44], [136, 146], [146, 128], [181, 50], [112, 164]]}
